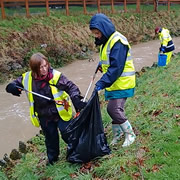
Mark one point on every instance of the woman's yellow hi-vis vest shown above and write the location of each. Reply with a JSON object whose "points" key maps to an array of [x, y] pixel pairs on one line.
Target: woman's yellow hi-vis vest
{"points": [[127, 78], [66, 115]]}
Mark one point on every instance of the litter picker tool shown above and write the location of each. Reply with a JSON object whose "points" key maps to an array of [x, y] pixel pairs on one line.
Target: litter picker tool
{"points": [[77, 114], [91, 83], [63, 103]]}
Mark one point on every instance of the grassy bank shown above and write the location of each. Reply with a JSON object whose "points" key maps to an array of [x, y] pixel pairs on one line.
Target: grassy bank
{"points": [[154, 114], [68, 37]]}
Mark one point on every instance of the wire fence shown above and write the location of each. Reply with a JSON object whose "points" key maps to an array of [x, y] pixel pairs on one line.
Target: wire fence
{"points": [[27, 4]]}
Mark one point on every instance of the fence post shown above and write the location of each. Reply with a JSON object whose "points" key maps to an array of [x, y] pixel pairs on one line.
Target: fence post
{"points": [[155, 5], [112, 6], [67, 7], [47, 7], [125, 5], [27, 8], [84, 7], [2, 10], [137, 6], [98, 5], [169, 4]]}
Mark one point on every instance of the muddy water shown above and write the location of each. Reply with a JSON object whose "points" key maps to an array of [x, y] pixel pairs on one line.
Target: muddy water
{"points": [[14, 115]]}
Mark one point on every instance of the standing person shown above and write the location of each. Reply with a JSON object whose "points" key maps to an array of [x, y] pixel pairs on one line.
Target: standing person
{"points": [[167, 45], [118, 78], [46, 81]]}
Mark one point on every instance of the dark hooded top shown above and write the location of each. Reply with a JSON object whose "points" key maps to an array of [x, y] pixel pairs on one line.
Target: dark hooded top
{"points": [[117, 57]]}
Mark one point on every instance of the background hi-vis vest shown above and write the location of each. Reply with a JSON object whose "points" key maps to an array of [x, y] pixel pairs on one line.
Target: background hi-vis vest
{"points": [[127, 78], [66, 115], [166, 39]]}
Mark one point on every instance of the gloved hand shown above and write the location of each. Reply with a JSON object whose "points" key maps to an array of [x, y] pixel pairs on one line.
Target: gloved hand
{"points": [[11, 88], [78, 103], [98, 88], [99, 68], [162, 49]]}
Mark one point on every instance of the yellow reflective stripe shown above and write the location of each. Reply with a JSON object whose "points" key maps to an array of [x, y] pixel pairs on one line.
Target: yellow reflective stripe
{"points": [[60, 108], [26, 79], [33, 116], [56, 76], [123, 38], [128, 74], [28, 85], [166, 36], [129, 58], [31, 103], [105, 62], [108, 49], [56, 95], [119, 36]]}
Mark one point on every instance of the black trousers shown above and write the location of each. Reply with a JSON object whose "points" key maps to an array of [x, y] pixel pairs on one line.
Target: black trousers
{"points": [[51, 131]]}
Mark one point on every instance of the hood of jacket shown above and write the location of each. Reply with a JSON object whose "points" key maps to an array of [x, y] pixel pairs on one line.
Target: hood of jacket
{"points": [[102, 23]]}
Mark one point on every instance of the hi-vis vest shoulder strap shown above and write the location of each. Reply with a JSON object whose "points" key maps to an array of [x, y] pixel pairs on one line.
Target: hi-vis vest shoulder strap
{"points": [[127, 78], [66, 115]]}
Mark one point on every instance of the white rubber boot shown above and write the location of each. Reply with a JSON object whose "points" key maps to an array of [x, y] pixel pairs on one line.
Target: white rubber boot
{"points": [[129, 134], [117, 133]]}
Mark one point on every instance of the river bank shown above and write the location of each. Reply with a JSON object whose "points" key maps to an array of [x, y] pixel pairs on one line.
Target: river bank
{"points": [[14, 112]]}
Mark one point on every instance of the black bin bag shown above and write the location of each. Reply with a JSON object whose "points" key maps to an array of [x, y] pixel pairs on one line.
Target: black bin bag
{"points": [[85, 134]]}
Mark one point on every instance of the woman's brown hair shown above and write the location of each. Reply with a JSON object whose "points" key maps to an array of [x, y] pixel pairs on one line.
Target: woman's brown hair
{"points": [[35, 62]]}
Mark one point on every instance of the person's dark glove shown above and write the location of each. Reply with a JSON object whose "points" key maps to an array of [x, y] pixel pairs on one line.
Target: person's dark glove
{"points": [[78, 103], [11, 88], [162, 49], [99, 68]]}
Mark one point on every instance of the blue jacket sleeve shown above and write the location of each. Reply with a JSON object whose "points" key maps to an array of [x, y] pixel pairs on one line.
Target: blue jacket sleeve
{"points": [[117, 59]]}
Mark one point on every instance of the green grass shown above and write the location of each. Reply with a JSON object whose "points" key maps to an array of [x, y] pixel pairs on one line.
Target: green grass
{"points": [[3, 176], [155, 116]]}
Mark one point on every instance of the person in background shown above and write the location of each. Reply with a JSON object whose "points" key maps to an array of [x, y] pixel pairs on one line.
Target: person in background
{"points": [[118, 77], [50, 115], [167, 45]]}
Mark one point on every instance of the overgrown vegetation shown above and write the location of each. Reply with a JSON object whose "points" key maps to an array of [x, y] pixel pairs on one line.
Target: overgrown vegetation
{"points": [[66, 38], [154, 114]]}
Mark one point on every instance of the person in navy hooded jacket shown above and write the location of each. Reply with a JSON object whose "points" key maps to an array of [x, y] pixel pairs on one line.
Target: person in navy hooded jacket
{"points": [[118, 77]]}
